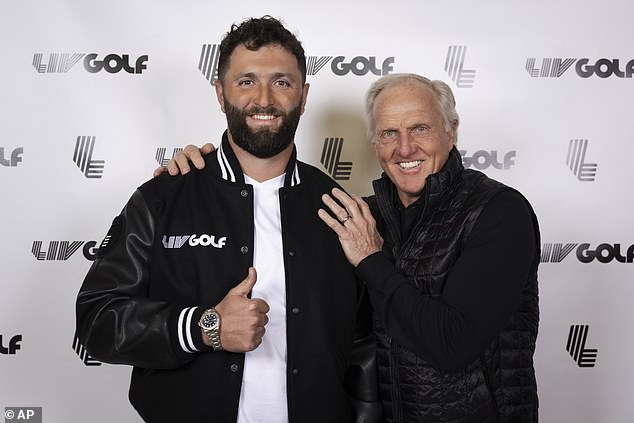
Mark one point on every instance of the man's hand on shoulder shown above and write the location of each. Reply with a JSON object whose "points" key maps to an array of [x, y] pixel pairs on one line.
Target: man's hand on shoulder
{"points": [[181, 160], [354, 225]]}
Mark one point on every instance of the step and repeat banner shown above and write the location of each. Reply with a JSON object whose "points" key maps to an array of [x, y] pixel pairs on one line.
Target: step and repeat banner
{"points": [[95, 95]]}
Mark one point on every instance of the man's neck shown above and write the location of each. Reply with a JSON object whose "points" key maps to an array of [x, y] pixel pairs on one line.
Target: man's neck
{"points": [[262, 169]]}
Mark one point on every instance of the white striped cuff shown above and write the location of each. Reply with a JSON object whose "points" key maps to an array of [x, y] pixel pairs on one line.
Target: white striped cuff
{"points": [[184, 332]]}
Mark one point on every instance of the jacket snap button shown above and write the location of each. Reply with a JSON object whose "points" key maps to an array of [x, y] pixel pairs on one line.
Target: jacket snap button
{"points": [[244, 193], [291, 253], [244, 249], [234, 368], [295, 372], [295, 310]]}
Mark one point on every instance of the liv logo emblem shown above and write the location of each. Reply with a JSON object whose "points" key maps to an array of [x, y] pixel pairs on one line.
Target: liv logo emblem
{"points": [[576, 161], [576, 346], [454, 66], [84, 147], [83, 354], [208, 62], [330, 158]]}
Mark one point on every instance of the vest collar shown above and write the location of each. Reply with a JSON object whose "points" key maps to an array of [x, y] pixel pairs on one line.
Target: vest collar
{"points": [[437, 186]]}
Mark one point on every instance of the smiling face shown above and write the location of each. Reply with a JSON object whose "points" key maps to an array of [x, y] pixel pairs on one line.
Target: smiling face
{"points": [[411, 141], [263, 96]]}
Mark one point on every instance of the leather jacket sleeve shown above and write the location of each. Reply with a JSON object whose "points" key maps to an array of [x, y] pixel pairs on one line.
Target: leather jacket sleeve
{"points": [[117, 322], [361, 381]]}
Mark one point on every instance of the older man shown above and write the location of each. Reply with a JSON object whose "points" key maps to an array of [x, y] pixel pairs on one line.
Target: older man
{"points": [[449, 257], [452, 276]]}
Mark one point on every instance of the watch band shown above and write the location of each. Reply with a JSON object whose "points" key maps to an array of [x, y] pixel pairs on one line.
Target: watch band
{"points": [[213, 334], [214, 337]]}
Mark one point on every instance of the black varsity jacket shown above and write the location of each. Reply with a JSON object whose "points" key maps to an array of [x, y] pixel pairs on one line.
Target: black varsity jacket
{"points": [[178, 246]]}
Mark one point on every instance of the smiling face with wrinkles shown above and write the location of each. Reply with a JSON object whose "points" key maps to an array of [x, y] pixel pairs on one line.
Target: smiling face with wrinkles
{"points": [[411, 141]]}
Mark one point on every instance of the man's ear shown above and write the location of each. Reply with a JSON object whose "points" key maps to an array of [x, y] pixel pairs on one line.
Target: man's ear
{"points": [[375, 146], [304, 97], [453, 132], [220, 95]]}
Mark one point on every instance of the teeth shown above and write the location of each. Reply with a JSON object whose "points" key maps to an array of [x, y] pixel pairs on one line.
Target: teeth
{"points": [[263, 117], [410, 165]]}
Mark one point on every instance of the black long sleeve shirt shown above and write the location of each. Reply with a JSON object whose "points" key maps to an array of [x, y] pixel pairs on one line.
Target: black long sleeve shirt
{"points": [[481, 292]]}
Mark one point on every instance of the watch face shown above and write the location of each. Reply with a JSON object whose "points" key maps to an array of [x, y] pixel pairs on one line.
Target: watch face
{"points": [[209, 321]]}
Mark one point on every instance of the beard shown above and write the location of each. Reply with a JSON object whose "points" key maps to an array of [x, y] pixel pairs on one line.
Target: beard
{"points": [[263, 143]]}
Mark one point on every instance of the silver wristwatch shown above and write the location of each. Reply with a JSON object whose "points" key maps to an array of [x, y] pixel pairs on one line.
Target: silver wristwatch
{"points": [[210, 324]]}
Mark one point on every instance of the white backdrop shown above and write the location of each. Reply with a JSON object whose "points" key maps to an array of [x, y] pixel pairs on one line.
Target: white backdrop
{"points": [[512, 104]]}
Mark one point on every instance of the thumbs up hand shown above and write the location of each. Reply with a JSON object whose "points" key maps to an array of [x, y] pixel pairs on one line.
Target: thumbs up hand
{"points": [[242, 319]]}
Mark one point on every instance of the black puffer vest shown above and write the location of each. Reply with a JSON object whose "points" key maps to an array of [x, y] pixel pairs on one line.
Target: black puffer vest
{"points": [[499, 386]]}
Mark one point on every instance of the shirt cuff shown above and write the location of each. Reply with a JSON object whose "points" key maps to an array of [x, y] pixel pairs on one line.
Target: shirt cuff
{"points": [[374, 269], [188, 333]]}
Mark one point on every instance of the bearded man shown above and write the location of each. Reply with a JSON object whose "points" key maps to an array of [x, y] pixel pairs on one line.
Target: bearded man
{"points": [[173, 290]]}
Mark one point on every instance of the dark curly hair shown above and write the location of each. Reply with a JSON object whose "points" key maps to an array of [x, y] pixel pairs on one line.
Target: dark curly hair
{"points": [[254, 33]]}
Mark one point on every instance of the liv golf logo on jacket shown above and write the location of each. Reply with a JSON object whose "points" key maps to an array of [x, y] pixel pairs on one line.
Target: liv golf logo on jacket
{"points": [[85, 357], [202, 240], [330, 158], [93, 62], [576, 346]]}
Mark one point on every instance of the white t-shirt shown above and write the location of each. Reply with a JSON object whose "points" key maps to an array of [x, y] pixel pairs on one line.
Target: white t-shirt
{"points": [[263, 394]]}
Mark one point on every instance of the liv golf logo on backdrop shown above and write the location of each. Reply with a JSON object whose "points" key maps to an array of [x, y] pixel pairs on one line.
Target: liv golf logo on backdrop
{"points": [[63, 250], [576, 161], [586, 253], [84, 147], [482, 159], [111, 63], [161, 158], [339, 65], [342, 65], [555, 67], [576, 346], [12, 158], [331, 159], [12, 346], [454, 66], [208, 62]]}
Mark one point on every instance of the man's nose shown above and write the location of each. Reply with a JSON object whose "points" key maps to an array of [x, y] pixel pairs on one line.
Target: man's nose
{"points": [[405, 145], [264, 96]]}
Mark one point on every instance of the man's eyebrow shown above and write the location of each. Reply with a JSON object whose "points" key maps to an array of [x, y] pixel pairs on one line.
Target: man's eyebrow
{"points": [[246, 75], [272, 76], [417, 124], [282, 75]]}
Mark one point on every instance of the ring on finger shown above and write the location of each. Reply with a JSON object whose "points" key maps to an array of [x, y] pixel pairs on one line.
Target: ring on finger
{"points": [[345, 219]]}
